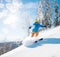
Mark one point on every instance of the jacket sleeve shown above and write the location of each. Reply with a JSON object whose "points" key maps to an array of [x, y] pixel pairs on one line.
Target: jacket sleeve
{"points": [[42, 26]]}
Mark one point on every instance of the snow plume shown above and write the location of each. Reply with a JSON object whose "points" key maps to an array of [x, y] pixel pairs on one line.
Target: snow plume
{"points": [[1, 5], [14, 16], [14, 7], [5, 30], [11, 20], [40, 12], [3, 13]]}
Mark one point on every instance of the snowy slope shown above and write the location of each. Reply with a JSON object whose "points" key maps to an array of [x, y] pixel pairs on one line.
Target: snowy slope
{"points": [[50, 33], [49, 47]]}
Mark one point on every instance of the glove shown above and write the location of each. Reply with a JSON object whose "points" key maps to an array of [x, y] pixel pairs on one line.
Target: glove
{"points": [[44, 26], [30, 27]]}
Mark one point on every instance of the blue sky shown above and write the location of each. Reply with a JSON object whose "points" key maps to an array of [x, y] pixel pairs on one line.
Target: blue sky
{"points": [[28, 1], [13, 15]]}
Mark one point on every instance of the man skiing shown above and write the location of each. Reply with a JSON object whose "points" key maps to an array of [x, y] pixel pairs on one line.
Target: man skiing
{"points": [[35, 30]]}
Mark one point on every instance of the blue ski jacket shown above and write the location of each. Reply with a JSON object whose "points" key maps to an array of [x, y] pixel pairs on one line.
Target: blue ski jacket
{"points": [[36, 27]]}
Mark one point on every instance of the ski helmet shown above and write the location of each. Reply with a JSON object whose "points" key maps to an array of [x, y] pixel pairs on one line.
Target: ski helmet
{"points": [[37, 20]]}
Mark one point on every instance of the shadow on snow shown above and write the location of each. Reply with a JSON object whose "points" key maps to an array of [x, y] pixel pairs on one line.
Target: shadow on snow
{"points": [[46, 41]]}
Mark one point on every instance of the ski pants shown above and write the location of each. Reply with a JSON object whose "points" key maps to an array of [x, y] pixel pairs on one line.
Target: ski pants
{"points": [[34, 34]]}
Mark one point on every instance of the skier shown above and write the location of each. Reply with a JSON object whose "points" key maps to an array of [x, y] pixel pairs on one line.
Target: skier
{"points": [[35, 30]]}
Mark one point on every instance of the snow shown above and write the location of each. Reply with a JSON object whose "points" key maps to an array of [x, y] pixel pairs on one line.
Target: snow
{"points": [[29, 41], [51, 33], [49, 47]]}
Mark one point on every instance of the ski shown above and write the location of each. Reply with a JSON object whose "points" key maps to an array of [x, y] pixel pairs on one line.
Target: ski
{"points": [[38, 40]]}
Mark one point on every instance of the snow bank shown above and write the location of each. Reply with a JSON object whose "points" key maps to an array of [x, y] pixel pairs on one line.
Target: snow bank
{"points": [[50, 33]]}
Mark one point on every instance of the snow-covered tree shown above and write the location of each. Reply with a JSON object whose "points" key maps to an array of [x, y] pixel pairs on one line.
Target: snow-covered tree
{"points": [[40, 11], [47, 15], [56, 20], [44, 13], [59, 18]]}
